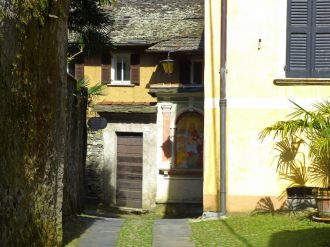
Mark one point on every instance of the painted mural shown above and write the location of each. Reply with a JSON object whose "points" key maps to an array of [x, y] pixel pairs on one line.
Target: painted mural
{"points": [[189, 141]]}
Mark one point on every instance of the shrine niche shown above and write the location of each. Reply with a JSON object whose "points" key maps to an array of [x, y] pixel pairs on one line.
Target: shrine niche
{"points": [[189, 141]]}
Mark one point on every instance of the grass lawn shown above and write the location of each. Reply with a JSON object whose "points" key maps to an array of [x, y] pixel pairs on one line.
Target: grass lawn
{"points": [[136, 233], [261, 231]]}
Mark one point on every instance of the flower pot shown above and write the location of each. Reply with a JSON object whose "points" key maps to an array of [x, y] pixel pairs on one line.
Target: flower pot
{"points": [[323, 207], [322, 196]]}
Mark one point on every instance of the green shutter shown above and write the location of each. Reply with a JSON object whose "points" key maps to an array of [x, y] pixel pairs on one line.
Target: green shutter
{"points": [[298, 38], [321, 39]]}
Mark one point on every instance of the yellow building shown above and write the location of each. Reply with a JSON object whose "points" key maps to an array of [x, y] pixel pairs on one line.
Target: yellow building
{"points": [[271, 51], [236, 65]]}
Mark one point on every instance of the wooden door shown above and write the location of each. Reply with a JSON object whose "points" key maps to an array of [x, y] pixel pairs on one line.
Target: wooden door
{"points": [[129, 170]]}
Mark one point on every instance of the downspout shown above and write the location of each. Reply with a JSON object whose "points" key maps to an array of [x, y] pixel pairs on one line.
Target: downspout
{"points": [[223, 109]]}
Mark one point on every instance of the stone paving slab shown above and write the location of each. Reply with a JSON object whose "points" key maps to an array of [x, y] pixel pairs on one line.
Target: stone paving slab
{"points": [[172, 233], [102, 233]]}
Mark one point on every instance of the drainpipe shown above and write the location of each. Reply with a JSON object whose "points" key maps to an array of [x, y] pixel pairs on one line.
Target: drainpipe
{"points": [[223, 108]]}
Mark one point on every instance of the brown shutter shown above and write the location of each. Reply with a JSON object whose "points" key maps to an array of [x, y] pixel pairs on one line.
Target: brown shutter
{"points": [[135, 69], [105, 67], [105, 73], [79, 71]]}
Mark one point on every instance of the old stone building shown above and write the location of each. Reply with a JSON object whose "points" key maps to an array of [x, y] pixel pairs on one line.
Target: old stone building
{"points": [[151, 148]]}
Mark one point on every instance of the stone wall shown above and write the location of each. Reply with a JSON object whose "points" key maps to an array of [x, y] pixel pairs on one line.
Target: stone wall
{"points": [[73, 200], [94, 165]]}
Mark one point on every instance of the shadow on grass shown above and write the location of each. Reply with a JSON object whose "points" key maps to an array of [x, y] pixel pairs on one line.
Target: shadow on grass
{"points": [[102, 210], [179, 210], [244, 241], [308, 238]]}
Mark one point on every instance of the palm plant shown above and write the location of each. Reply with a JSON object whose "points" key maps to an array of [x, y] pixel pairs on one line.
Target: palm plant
{"points": [[311, 128], [92, 91]]}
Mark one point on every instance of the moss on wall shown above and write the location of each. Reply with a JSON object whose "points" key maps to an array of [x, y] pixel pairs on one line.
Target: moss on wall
{"points": [[33, 123]]}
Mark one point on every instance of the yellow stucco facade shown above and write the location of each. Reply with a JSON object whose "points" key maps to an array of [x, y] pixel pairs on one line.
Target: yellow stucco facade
{"points": [[211, 106], [256, 56], [131, 93]]}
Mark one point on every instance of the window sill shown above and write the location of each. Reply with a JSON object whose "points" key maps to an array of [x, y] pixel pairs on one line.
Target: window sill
{"points": [[120, 85], [302, 82], [174, 88], [181, 172]]}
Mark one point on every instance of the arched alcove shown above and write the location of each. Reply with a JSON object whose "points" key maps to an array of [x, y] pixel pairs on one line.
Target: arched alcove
{"points": [[189, 141]]}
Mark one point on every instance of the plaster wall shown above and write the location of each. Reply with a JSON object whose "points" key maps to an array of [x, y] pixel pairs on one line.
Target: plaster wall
{"points": [[132, 93], [176, 188], [149, 73], [211, 105], [149, 158], [256, 55], [179, 189]]}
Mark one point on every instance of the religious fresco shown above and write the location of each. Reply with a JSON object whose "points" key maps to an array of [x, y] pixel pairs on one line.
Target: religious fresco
{"points": [[189, 141]]}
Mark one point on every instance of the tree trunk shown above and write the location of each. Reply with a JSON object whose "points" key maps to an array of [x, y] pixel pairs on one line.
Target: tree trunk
{"points": [[33, 120]]}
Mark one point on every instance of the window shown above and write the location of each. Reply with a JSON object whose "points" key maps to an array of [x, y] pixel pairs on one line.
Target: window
{"points": [[125, 69], [197, 72], [121, 69], [189, 141], [191, 72], [308, 39]]}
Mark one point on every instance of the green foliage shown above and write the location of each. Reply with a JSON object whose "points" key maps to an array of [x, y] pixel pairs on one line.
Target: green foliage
{"points": [[73, 54], [311, 128], [89, 23], [93, 91], [25, 11]]}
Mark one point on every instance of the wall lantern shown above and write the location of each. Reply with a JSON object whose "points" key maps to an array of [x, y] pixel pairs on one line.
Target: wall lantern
{"points": [[168, 64]]}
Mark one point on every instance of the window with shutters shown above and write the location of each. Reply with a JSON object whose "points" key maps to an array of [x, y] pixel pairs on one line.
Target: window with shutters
{"points": [[308, 39], [125, 69]]}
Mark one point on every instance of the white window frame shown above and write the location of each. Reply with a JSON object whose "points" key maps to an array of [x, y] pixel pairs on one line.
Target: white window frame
{"points": [[114, 60], [192, 71]]}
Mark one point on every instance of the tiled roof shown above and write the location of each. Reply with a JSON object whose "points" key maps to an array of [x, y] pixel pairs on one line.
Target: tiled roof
{"points": [[126, 103], [125, 107], [179, 44], [162, 24]]}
